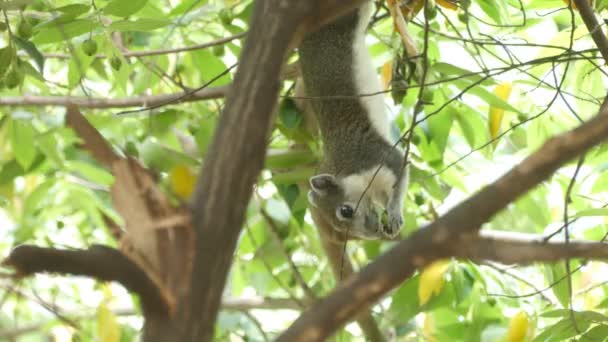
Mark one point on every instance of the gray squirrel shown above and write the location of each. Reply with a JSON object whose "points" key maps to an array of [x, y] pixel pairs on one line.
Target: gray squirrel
{"points": [[362, 182]]}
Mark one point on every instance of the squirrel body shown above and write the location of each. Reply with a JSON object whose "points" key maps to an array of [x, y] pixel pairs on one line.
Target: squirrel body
{"points": [[362, 182]]}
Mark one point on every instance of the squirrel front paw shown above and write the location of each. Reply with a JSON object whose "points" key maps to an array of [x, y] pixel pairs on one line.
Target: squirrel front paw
{"points": [[391, 224]]}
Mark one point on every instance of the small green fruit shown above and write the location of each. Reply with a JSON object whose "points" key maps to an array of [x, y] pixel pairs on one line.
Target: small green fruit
{"points": [[131, 149], [218, 50], [522, 117], [24, 30], [89, 47], [3, 26], [415, 139], [463, 17], [13, 78], [116, 63], [427, 96], [419, 199], [431, 12], [225, 16]]}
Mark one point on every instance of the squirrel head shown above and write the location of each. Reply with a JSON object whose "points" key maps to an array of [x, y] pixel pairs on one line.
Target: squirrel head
{"points": [[355, 214]]}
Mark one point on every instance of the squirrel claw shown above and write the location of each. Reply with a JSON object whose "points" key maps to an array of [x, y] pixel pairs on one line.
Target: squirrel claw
{"points": [[392, 228]]}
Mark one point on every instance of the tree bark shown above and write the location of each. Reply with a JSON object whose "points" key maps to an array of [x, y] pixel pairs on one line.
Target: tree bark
{"points": [[236, 155]]}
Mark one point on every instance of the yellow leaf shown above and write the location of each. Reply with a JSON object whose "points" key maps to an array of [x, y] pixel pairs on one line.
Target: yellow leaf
{"points": [[108, 329], [447, 4], [387, 74], [429, 328], [518, 328], [432, 280], [182, 181], [503, 91]]}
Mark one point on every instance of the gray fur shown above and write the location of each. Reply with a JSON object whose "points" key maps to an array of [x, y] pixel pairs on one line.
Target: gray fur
{"points": [[351, 143]]}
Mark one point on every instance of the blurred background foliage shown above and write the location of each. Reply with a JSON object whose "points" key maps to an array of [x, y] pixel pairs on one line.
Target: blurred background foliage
{"points": [[502, 78]]}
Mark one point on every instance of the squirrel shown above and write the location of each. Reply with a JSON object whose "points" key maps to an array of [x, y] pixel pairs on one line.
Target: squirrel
{"points": [[362, 181]]}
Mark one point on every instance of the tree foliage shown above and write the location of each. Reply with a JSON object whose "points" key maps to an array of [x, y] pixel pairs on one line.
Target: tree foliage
{"points": [[492, 83]]}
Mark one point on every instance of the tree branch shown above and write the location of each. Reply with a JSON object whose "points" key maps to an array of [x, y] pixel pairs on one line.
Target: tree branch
{"points": [[99, 262], [521, 251], [584, 9], [437, 240], [136, 101], [153, 52]]}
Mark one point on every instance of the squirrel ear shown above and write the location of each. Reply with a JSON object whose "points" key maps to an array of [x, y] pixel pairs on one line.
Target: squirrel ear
{"points": [[323, 183], [312, 199]]}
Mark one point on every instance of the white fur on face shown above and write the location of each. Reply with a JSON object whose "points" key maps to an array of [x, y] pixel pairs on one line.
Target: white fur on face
{"points": [[380, 190], [366, 79]]}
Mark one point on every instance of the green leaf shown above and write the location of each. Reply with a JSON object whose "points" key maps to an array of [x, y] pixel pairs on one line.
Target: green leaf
{"points": [[597, 333], [186, 6], [562, 330], [289, 192], [7, 54], [494, 9], [22, 142], [211, 67], [472, 125], [49, 146], [13, 4], [162, 158], [32, 51], [12, 169], [288, 113], [439, 129], [405, 300], [121, 8], [489, 97], [38, 198], [204, 133], [285, 159], [556, 275], [29, 69], [144, 24], [455, 71], [74, 9], [62, 32], [93, 173], [592, 212], [77, 67]]}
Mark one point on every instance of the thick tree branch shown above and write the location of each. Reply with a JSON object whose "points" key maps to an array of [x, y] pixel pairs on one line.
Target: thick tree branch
{"points": [[93, 141], [236, 155], [521, 251], [586, 12], [99, 262], [437, 240]]}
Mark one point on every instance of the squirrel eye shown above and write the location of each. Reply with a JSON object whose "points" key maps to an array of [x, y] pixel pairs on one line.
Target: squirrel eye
{"points": [[346, 211]]}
